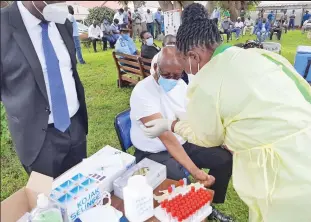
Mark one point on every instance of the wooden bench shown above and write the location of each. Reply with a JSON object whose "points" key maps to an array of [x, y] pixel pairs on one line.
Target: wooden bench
{"points": [[129, 67], [146, 64]]}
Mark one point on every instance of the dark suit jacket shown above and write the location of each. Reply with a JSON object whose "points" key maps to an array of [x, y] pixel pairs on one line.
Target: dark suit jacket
{"points": [[148, 52], [23, 90]]}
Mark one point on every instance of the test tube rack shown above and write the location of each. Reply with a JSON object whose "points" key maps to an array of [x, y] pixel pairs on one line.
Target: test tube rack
{"points": [[192, 205]]}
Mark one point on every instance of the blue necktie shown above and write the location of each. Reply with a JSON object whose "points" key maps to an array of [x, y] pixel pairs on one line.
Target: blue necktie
{"points": [[57, 91]]}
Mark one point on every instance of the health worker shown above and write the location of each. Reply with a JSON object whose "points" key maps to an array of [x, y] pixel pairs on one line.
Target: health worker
{"points": [[255, 103]]}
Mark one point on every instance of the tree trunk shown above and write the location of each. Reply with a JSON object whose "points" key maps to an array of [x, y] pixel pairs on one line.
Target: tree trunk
{"points": [[210, 6], [186, 3], [177, 5], [166, 5], [138, 4]]}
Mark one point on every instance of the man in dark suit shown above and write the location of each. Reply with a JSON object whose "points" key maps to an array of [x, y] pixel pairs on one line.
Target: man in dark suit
{"points": [[40, 87]]}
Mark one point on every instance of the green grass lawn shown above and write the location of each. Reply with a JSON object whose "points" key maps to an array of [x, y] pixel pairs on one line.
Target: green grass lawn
{"points": [[104, 101]]}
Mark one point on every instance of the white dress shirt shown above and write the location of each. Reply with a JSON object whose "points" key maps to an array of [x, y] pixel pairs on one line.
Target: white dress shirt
{"points": [[34, 30], [248, 22], [149, 17], [142, 15], [119, 16], [239, 25], [95, 32]]}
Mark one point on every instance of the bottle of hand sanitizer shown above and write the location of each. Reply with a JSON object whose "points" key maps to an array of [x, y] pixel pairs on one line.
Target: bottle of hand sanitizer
{"points": [[138, 199], [45, 212]]}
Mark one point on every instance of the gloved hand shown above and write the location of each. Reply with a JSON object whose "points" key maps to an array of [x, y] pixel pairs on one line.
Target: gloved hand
{"points": [[156, 127]]}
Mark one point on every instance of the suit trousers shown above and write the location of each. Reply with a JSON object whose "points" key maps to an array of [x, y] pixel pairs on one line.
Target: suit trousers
{"points": [[216, 159], [61, 151], [137, 29]]}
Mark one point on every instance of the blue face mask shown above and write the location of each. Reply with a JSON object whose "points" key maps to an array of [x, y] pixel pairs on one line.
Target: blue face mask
{"points": [[167, 84]]}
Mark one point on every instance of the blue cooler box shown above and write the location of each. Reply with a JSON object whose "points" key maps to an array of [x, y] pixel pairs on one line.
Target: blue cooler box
{"points": [[301, 61]]}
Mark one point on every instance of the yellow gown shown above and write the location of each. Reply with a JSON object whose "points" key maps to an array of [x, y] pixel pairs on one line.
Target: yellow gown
{"points": [[260, 107]]}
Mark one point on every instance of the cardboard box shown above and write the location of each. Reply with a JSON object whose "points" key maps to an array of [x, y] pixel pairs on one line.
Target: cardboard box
{"points": [[81, 187], [154, 172], [25, 199]]}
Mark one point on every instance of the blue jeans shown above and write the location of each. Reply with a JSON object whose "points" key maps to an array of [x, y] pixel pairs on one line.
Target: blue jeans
{"points": [[76, 40], [291, 24], [150, 29], [237, 32], [261, 36]]}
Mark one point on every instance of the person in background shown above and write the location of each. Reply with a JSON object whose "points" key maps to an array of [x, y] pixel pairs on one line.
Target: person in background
{"points": [[242, 15], [94, 34], [263, 30], [120, 16], [306, 25], [284, 16], [148, 48], [238, 27], [277, 27], [292, 17], [150, 22], [225, 25], [285, 25], [137, 28], [40, 87], [271, 17], [162, 24], [143, 19], [305, 17], [215, 14], [126, 16], [115, 29], [76, 37], [108, 36], [157, 22], [125, 43], [248, 26]]}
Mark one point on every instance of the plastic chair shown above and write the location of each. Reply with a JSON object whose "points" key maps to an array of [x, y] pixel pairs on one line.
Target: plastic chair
{"points": [[122, 125]]}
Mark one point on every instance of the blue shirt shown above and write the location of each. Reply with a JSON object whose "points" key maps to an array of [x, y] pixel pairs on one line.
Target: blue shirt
{"points": [[306, 17], [158, 16], [126, 45], [74, 25]]}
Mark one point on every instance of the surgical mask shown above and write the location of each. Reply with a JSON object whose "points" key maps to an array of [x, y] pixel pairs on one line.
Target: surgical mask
{"points": [[167, 84], [56, 12], [191, 67], [149, 42]]}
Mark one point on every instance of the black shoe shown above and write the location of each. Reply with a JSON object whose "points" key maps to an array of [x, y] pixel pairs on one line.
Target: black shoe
{"points": [[83, 62], [217, 215]]}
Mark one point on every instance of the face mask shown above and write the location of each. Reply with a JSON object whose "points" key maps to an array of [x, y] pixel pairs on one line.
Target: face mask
{"points": [[149, 42], [167, 84], [191, 68], [56, 12]]}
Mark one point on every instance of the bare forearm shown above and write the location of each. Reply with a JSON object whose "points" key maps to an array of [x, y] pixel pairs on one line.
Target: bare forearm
{"points": [[177, 151]]}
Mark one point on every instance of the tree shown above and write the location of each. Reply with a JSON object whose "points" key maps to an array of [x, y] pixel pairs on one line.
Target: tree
{"points": [[165, 5], [234, 7], [98, 14]]}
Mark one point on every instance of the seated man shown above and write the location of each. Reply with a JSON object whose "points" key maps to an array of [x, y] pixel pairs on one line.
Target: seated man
{"points": [[248, 26], [225, 25], [168, 40], [263, 30], [238, 26], [108, 36], [125, 43], [95, 34], [148, 48], [306, 25], [161, 95], [277, 27]]}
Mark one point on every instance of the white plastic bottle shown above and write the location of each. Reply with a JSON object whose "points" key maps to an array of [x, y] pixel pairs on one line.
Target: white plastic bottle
{"points": [[138, 199], [45, 211]]}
